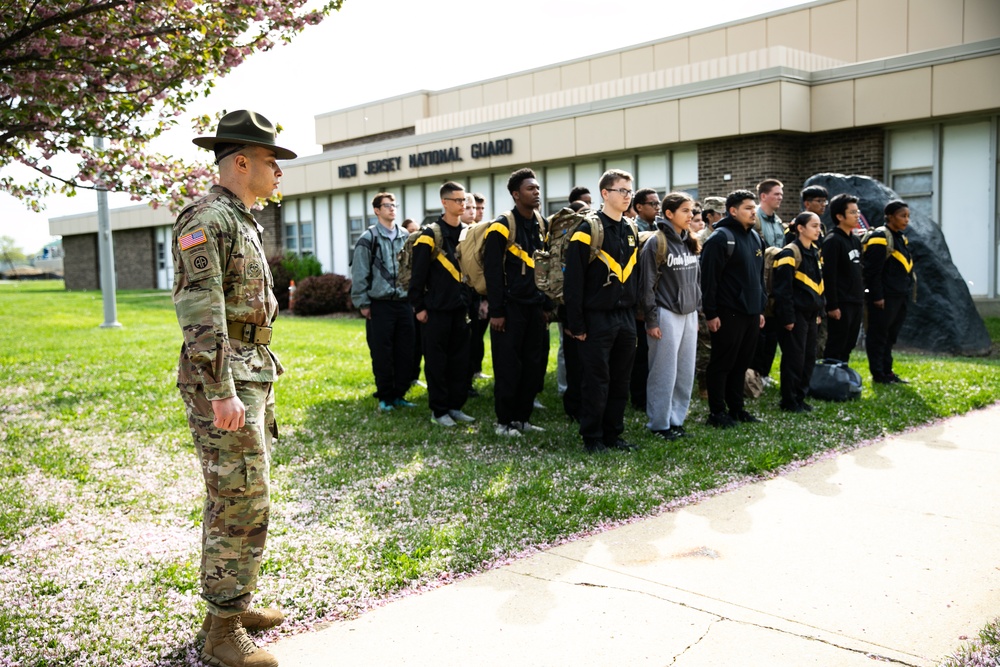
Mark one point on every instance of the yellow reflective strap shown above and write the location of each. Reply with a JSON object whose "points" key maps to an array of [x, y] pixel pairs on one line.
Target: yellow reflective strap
{"points": [[876, 240], [522, 255], [429, 240], [449, 267], [629, 265], [907, 264], [583, 237], [808, 282], [784, 261], [497, 227]]}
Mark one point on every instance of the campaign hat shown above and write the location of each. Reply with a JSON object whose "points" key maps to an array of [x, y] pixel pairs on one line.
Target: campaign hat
{"points": [[245, 128]]}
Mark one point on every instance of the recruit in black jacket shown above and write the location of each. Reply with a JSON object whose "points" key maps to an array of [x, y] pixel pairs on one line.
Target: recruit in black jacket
{"points": [[842, 269], [736, 283], [887, 274], [610, 282], [437, 284], [510, 272], [798, 289]]}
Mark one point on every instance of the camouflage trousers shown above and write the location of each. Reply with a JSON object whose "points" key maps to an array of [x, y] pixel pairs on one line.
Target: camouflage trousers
{"points": [[236, 465]]}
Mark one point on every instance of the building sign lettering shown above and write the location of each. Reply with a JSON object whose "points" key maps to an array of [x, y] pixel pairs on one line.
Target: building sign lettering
{"points": [[479, 150], [441, 156], [491, 148], [384, 165]]}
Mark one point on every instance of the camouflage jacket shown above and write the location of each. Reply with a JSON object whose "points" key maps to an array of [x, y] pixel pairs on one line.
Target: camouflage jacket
{"points": [[220, 274]]}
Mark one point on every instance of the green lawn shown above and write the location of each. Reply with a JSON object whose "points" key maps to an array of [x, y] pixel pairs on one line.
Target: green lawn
{"points": [[100, 492]]}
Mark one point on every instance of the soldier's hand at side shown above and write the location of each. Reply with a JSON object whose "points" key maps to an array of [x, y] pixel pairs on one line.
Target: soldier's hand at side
{"points": [[714, 324], [422, 317], [366, 313], [762, 322], [498, 324], [655, 333], [230, 413], [880, 304], [790, 326]]}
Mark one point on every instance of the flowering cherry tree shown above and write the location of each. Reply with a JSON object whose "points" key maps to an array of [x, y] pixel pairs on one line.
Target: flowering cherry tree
{"points": [[125, 70]]}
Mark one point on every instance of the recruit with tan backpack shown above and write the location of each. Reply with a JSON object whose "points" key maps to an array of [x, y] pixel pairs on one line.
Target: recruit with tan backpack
{"points": [[472, 243], [770, 254]]}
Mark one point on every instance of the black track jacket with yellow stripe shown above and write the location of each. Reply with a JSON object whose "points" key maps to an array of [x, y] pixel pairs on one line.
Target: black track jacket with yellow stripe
{"points": [[436, 283], [610, 282], [798, 288], [510, 272]]}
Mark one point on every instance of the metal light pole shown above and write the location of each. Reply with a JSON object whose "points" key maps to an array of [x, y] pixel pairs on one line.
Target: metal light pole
{"points": [[106, 253]]}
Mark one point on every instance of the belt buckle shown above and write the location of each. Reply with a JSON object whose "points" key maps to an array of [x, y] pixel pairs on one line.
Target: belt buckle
{"points": [[248, 333]]}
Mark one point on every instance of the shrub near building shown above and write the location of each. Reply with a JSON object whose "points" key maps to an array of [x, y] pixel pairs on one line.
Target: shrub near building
{"points": [[321, 295]]}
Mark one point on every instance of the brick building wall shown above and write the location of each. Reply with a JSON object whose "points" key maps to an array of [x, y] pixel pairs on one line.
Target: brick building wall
{"points": [[135, 258], [789, 158], [80, 262], [270, 219]]}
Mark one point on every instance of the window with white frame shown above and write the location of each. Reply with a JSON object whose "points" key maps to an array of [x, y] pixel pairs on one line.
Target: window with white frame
{"points": [[297, 217]]}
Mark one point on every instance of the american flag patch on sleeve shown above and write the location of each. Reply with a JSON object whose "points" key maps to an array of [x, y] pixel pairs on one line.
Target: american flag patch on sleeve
{"points": [[189, 241]]}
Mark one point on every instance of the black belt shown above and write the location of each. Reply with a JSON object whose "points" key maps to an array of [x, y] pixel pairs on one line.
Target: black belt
{"points": [[249, 333]]}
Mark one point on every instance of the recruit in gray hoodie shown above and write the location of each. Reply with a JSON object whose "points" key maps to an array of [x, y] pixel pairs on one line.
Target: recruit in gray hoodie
{"points": [[679, 286]]}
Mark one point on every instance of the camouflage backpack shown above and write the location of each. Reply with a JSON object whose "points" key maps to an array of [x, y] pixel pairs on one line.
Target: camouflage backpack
{"points": [[550, 264], [405, 256]]}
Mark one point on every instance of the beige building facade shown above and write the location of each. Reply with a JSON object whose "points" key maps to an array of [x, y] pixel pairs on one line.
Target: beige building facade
{"points": [[905, 91]]}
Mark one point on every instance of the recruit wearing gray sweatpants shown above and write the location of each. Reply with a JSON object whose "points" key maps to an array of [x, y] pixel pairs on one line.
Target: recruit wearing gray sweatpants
{"points": [[671, 369]]}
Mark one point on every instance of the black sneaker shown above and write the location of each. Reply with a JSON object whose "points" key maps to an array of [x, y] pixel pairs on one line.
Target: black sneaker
{"points": [[744, 416], [720, 420], [793, 407], [895, 379], [621, 444], [678, 431], [594, 446], [882, 380], [667, 434], [806, 407]]}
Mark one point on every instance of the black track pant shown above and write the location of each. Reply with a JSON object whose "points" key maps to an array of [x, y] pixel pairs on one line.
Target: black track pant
{"points": [[518, 353], [477, 344], [798, 358], [883, 328], [842, 334], [606, 365], [389, 332], [732, 350], [767, 346], [446, 359], [571, 397]]}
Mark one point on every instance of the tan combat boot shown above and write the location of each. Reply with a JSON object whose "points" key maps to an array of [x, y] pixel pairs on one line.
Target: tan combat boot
{"points": [[254, 620], [229, 645]]}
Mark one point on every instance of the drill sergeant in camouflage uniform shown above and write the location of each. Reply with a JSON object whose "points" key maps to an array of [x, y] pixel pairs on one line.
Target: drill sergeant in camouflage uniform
{"points": [[225, 307]]}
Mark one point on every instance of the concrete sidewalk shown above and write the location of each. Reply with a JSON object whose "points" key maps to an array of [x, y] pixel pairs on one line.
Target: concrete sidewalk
{"points": [[892, 550]]}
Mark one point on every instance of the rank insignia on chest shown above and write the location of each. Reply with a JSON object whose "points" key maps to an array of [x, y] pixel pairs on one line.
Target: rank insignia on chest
{"points": [[195, 238], [254, 270]]}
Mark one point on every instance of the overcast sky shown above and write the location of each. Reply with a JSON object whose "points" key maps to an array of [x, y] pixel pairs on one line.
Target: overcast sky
{"points": [[375, 49]]}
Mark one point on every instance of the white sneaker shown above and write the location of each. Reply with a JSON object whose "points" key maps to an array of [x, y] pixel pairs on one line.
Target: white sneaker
{"points": [[527, 427], [538, 405], [443, 420], [419, 383], [507, 430], [768, 381], [481, 376], [460, 416]]}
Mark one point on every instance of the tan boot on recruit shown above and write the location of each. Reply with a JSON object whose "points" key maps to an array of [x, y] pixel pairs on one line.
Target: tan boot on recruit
{"points": [[229, 645], [254, 620]]}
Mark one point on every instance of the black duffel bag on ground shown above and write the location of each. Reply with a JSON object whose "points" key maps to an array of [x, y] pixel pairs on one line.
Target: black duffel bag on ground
{"points": [[834, 380]]}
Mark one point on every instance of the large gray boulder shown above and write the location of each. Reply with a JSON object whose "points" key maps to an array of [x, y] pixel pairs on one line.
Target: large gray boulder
{"points": [[944, 318]]}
